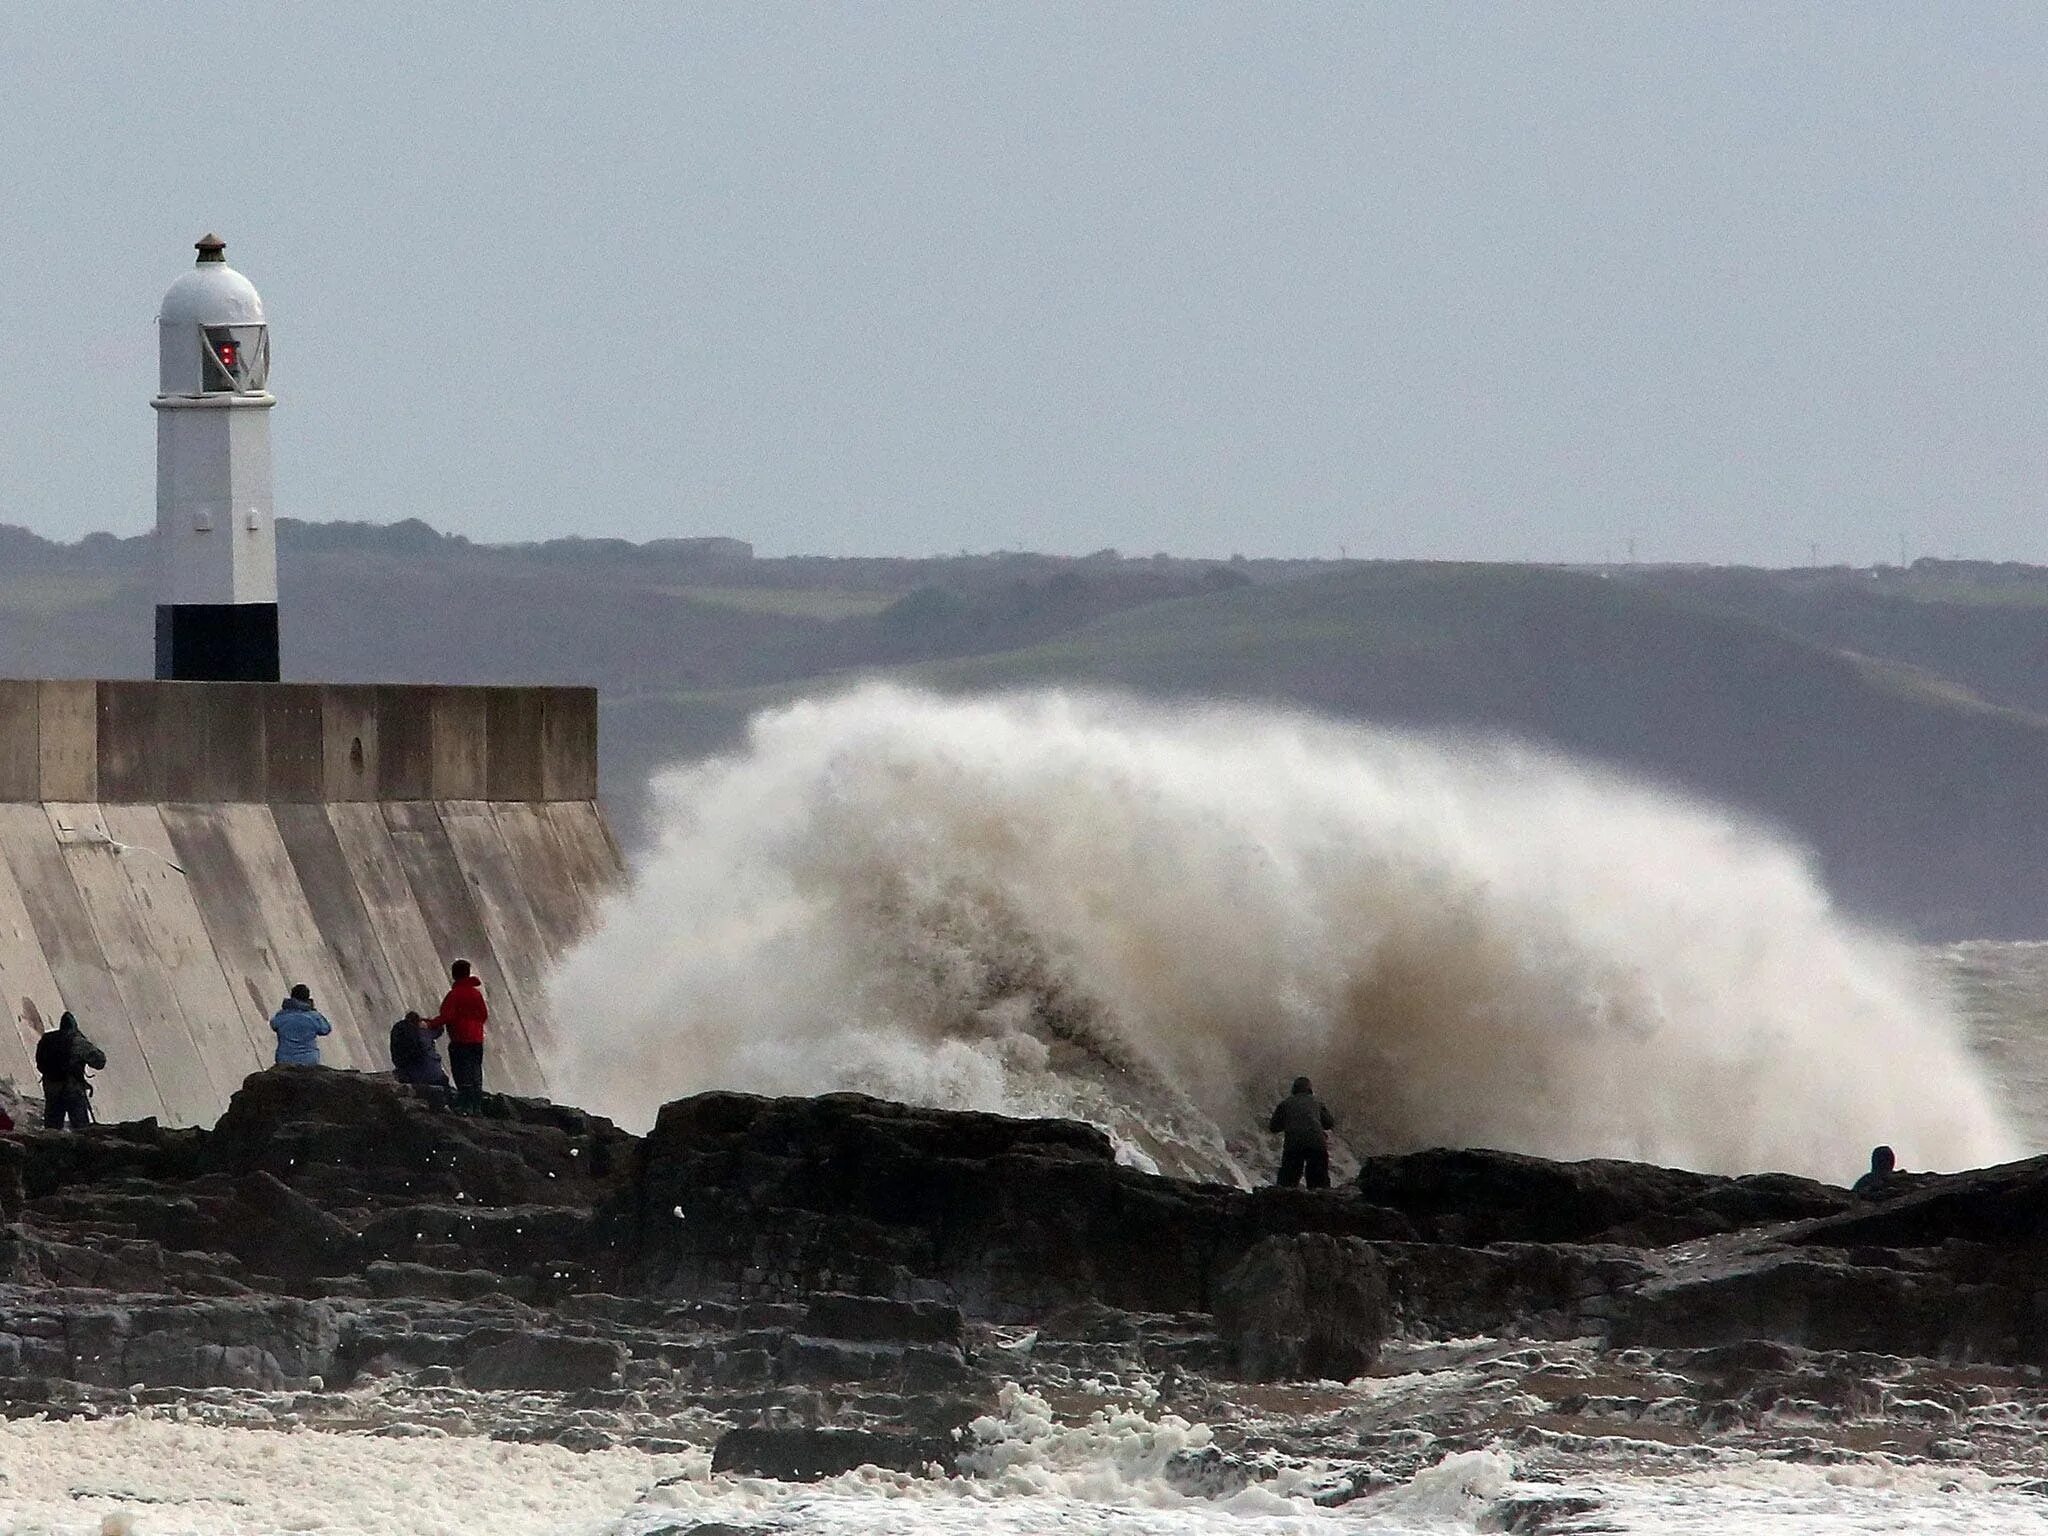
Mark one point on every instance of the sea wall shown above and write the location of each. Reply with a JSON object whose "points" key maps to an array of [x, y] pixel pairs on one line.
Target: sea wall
{"points": [[175, 856], [129, 742]]}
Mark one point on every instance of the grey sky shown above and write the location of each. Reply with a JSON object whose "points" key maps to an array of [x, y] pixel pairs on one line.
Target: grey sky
{"points": [[1487, 282]]}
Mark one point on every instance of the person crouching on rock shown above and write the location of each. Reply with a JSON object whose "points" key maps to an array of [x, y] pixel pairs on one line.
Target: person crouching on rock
{"points": [[63, 1057], [414, 1058], [298, 1026], [1306, 1123]]}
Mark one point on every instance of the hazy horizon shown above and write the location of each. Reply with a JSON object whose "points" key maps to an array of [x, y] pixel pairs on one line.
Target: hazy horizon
{"points": [[1729, 283]]}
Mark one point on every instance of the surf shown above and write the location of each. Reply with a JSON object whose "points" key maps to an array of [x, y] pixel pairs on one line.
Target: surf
{"points": [[1153, 918]]}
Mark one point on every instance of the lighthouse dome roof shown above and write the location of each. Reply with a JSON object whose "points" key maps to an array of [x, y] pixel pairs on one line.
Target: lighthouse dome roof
{"points": [[212, 293]]}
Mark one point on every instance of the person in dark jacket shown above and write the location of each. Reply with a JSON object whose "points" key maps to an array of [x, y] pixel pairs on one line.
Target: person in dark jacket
{"points": [[1306, 1123], [298, 1026], [414, 1056], [464, 1013], [1882, 1178], [63, 1056]]}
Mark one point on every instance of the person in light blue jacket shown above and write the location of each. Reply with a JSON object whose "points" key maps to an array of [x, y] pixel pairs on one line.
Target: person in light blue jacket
{"points": [[299, 1026]]}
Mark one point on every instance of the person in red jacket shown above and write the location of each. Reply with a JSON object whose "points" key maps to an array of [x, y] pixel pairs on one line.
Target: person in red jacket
{"points": [[463, 1014]]}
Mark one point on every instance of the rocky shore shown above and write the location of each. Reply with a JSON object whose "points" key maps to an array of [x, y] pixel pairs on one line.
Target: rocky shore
{"points": [[797, 1286]]}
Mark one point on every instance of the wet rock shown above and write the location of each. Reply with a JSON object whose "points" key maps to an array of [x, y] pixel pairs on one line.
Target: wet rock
{"points": [[267, 1342], [136, 1149], [1536, 1290], [804, 1455], [1305, 1307], [546, 1362], [856, 1256], [352, 1138], [387, 1278], [878, 1318], [1821, 1300], [740, 1197], [2004, 1207], [1535, 1515], [1475, 1196]]}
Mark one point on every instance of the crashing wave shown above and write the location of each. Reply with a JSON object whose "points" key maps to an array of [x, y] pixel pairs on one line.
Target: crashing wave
{"points": [[1153, 919]]}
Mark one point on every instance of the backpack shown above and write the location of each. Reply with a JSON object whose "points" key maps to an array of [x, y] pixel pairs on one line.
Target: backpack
{"points": [[67, 1054]]}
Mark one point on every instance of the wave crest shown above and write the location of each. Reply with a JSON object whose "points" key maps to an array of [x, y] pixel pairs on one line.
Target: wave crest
{"points": [[1154, 920]]}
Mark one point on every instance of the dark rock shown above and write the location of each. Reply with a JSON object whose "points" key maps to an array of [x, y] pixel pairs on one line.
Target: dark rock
{"points": [[2004, 1207], [353, 1138], [108, 1263], [1819, 1300], [136, 1149], [796, 1455], [818, 1361], [1535, 1290], [750, 1198], [1306, 1307], [1089, 1322], [264, 1342], [838, 1258], [877, 1318], [1534, 1514], [546, 1362], [392, 1279], [507, 1239], [1475, 1196]]}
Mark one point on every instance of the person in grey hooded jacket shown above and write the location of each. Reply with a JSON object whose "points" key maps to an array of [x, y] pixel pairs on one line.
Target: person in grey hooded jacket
{"points": [[1306, 1123], [298, 1026]]}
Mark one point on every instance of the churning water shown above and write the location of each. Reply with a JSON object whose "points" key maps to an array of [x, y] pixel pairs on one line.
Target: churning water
{"points": [[1051, 904]]}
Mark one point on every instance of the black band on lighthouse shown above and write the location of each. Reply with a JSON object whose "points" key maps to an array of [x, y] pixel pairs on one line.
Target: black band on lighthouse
{"points": [[217, 642]]}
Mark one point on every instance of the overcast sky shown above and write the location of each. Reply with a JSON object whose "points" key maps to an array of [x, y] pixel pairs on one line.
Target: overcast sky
{"points": [[1518, 281]]}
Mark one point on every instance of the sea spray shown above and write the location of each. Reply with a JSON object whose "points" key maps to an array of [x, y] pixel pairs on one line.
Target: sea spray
{"points": [[1154, 919]]}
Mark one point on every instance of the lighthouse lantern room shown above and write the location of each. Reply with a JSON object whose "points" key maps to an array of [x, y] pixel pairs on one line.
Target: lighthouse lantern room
{"points": [[216, 617]]}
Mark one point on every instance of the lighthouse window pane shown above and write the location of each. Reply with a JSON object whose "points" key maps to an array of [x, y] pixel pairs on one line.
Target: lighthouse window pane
{"points": [[237, 358]]}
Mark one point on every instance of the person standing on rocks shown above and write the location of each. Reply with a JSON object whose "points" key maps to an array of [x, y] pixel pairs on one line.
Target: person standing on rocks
{"points": [[464, 1013], [1306, 1123], [63, 1056], [298, 1026]]}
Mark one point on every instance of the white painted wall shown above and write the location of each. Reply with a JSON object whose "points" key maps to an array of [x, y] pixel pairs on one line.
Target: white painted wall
{"points": [[216, 525]]}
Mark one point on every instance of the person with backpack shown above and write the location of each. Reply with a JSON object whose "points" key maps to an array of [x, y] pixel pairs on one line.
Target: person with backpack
{"points": [[464, 1013], [63, 1056], [298, 1026], [414, 1056]]}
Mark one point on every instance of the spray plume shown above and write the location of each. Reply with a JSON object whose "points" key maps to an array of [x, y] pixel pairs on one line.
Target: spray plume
{"points": [[1050, 904]]}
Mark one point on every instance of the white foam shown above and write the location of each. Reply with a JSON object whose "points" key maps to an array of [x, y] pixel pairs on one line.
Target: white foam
{"points": [[1775, 1498], [1154, 920], [160, 1477], [145, 1475]]}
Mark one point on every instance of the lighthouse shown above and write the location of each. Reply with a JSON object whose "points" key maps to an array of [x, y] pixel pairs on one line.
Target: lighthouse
{"points": [[216, 616]]}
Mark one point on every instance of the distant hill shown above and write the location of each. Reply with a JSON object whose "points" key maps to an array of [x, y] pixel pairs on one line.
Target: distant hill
{"points": [[1885, 720], [1925, 805]]}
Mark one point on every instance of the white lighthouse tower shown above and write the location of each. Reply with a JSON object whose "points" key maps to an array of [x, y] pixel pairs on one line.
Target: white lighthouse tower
{"points": [[216, 617]]}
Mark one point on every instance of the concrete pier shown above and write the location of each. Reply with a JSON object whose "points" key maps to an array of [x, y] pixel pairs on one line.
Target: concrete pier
{"points": [[175, 855]]}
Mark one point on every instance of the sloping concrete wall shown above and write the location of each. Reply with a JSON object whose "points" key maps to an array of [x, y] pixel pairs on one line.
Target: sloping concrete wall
{"points": [[175, 856]]}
